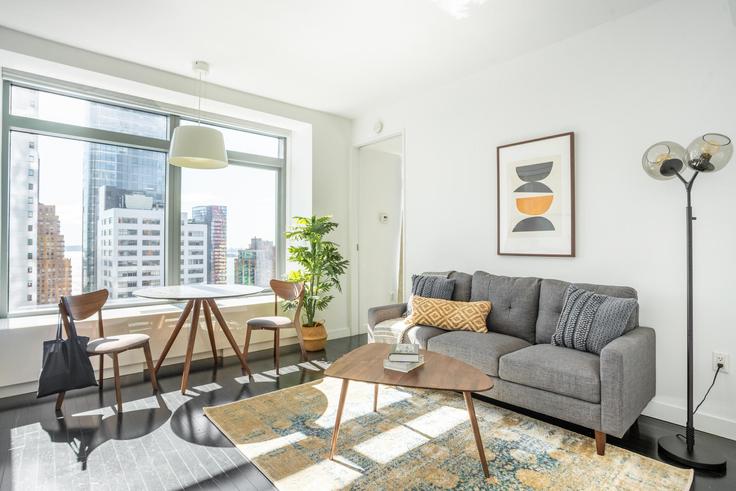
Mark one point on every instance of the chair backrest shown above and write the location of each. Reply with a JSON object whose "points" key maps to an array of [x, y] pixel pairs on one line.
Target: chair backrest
{"points": [[288, 291], [83, 306]]}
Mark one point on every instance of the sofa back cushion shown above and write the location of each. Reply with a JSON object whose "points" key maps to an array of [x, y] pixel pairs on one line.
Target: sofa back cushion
{"points": [[552, 297], [515, 302], [463, 283]]}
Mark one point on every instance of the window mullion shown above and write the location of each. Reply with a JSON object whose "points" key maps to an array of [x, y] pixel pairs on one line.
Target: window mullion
{"points": [[4, 203], [173, 216]]}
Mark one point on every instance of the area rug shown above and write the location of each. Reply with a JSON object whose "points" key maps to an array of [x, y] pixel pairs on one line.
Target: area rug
{"points": [[421, 439]]}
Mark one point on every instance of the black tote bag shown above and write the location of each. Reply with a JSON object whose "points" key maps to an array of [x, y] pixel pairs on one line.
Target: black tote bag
{"points": [[66, 365]]}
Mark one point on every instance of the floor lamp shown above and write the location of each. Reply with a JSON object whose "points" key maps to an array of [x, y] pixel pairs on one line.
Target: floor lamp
{"points": [[666, 160]]}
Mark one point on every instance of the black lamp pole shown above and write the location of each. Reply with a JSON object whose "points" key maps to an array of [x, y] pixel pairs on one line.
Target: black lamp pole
{"points": [[676, 447]]}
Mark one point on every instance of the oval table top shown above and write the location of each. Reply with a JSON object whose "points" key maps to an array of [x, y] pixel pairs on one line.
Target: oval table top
{"points": [[197, 291], [441, 372]]}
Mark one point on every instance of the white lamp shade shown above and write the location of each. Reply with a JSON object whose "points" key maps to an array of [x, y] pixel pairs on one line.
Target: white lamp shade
{"points": [[197, 147]]}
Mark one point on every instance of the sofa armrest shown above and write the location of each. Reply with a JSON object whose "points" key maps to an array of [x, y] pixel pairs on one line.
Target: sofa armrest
{"points": [[628, 379], [384, 313]]}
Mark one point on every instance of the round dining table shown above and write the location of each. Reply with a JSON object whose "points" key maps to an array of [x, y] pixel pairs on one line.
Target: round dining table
{"points": [[198, 297]]}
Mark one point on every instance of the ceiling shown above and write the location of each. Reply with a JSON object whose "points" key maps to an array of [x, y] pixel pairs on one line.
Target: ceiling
{"points": [[339, 56]]}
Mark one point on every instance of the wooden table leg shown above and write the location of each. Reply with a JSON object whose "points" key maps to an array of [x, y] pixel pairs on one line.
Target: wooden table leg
{"points": [[210, 330], [190, 346], [228, 334], [476, 432], [174, 334], [340, 405], [375, 398]]}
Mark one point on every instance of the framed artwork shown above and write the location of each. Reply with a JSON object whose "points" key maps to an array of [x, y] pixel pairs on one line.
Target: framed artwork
{"points": [[536, 197]]}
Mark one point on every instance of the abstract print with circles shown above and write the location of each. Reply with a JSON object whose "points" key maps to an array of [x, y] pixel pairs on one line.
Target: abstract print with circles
{"points": [[535, 197]]}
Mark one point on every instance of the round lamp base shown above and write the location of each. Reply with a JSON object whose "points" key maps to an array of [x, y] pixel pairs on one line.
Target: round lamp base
{"points": [[701, 457]]}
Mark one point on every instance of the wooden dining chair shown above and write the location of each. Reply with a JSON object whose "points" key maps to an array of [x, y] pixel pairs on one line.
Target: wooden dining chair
{"points": [[287, 291], [84, 306]]}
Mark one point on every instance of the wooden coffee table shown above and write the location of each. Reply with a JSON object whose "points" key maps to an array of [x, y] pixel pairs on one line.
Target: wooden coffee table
{"points": [[439, 372]]}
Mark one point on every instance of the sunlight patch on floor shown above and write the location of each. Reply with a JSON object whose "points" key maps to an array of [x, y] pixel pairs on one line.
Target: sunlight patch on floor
{"points": [[358, 402], [313, 478], [254, 450], [385, 447], [438, 421], [207, 387]]}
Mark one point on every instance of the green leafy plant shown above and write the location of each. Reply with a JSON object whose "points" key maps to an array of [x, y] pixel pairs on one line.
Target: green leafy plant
{"points": [[320, 260]]}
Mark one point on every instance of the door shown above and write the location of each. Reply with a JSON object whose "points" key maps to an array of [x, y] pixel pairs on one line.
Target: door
{"points": [[380, 225]]}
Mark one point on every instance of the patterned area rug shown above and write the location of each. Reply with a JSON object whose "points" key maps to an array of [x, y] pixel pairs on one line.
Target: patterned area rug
{"points": [[421, 439]]}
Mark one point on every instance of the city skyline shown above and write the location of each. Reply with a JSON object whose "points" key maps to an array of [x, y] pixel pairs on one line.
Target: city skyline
{"points": [[55, 246]]}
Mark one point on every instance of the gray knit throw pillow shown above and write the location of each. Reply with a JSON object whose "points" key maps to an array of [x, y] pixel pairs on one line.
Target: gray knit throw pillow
{"points": [[431, 286], [589, 321]]}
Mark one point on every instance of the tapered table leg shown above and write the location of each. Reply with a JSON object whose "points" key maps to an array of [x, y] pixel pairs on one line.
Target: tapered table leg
{"points": [[174, 334], [228, 334], [476, 431], [210, 330], [340, 405], [375, 398], [190, 346]]}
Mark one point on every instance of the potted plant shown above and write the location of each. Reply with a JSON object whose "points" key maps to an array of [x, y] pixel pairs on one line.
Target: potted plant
{"points": [[321, 267]]}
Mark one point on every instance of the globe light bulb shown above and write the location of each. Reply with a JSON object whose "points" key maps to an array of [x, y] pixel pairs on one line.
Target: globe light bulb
{"points": [[710, 152], [663, 160]]}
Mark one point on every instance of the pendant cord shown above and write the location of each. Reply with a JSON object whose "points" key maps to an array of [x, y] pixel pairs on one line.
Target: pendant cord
{"points": [[199, 100]]}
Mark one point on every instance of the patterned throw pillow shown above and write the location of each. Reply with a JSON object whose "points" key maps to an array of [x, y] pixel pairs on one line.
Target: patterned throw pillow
{"points": [[448, 314], [589, 321], [430, 286]]}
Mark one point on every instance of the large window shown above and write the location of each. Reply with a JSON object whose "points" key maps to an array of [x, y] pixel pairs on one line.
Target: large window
{"points": [[86, 197]]}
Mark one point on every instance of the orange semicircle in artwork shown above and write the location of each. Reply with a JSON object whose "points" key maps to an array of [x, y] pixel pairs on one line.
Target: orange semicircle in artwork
{"points": [[535, 205]]}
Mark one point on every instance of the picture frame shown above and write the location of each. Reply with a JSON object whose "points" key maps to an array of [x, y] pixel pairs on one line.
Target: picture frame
{"points": [[535, 190]]}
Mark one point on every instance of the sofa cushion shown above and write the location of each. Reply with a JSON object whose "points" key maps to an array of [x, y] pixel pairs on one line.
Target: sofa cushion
{"points": [[449, 314], [552, 296], [560, 370], [463, 283], [589, 321], [515, 303], [430, 285], [481, 350], [422, 334]]}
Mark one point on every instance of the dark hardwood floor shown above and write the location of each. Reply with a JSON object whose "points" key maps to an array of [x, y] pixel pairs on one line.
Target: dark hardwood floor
{"points": [[164, 442]]}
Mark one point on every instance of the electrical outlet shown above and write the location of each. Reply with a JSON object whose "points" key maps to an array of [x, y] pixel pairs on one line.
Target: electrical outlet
{"points": [[722, 358]]}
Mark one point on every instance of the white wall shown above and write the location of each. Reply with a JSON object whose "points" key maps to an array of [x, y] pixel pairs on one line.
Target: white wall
{"points": [[379, 191], [666, 72], [322, 140]]}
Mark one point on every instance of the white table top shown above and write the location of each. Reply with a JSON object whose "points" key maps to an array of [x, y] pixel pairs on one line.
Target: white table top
{"points": [[197, 292]]}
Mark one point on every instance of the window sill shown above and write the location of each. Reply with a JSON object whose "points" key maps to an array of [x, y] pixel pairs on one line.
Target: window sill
{"points": [[230, 305]]}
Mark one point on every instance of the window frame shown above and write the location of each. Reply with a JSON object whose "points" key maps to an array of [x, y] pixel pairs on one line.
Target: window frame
{"points": [[172, 213]]}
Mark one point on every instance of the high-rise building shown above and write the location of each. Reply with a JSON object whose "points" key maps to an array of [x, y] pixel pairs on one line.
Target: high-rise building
{"points": [[24, 208], [53, 270], [257, 264], [193, 252], [138, 170], [130, 243], [215, 217], [244, 266]]}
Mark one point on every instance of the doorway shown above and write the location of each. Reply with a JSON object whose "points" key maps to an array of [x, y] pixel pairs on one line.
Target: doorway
{"points": [[379, 202]]}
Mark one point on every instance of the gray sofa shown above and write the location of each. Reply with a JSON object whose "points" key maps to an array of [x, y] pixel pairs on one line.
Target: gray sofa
{"points": [[605, 393]]}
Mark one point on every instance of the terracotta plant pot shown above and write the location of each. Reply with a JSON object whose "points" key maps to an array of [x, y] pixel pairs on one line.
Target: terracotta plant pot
{"points": [[314, 336]]}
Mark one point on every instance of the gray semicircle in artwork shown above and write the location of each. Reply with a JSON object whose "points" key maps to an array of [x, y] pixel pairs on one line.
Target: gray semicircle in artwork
{"points": [[533, 187], [534, 224], [534, 172]]}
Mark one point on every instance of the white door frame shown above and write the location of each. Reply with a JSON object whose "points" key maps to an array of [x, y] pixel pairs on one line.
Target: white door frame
{"points": [[353, 238]]}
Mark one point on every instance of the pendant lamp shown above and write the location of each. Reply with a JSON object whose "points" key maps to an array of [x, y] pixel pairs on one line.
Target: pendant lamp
{"points": [[198, 147]]}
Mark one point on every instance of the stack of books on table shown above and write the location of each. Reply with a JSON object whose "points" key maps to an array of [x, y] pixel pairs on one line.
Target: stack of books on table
{"points": [[403, 358]]}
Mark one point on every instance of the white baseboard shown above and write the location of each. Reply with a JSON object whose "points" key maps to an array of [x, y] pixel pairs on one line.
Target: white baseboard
{"points": [[708, 423], [342, 332]]}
